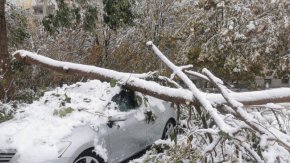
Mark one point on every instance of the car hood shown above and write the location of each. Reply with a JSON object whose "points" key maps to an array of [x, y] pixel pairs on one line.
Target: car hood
{"points": [[37, 128]]}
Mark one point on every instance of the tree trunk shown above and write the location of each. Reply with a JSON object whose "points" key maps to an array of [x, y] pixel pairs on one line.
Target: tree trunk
{"points": [[134, 82], [5, 69]]}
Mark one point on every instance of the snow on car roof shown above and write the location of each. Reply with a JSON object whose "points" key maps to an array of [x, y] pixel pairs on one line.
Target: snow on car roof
{"points": [[39, 126]]}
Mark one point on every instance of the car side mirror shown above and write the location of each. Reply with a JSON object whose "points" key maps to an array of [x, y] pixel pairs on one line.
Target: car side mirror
{"points": [[137, 100], [112, 120]]}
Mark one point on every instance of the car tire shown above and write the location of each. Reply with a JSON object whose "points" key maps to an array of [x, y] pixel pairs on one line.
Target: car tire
{"points": [[89, 156], [168, 129]]}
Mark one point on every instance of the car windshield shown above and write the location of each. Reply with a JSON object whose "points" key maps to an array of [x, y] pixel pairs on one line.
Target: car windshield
{"points": [[125, 100]]}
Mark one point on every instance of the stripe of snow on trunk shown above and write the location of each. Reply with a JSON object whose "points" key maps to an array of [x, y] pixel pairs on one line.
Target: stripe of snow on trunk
{"points": [[255, 97], [119, 76], [246, 97]]}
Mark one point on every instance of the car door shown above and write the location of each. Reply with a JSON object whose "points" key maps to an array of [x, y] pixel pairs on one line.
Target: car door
{"points": [[162, 112], [156, 126], [127, 135]]}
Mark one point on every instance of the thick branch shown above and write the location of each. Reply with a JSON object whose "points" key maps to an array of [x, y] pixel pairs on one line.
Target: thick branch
{"points": [[200, 97], [242, 114], [130, 81], [148, 87]]}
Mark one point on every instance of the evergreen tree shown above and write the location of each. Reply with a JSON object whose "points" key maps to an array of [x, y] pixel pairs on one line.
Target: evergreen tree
{"points": [[85, 14], [118, 13]]}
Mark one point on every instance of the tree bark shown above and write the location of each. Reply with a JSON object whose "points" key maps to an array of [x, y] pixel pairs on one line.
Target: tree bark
{"points": [[148, 87], [5, 69]]}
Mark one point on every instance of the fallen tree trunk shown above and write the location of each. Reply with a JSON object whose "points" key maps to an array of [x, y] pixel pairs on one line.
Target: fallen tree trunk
{"points": [[233, 129], [135, 82], [128, 80]]}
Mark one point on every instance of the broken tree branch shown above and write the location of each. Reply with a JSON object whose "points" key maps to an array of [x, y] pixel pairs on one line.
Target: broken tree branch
{"points": [[143, 86], [242, 114], [196, 93], [128, 80]]}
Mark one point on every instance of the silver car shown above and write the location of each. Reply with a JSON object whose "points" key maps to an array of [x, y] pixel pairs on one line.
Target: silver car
{"points": [[119, 139]]}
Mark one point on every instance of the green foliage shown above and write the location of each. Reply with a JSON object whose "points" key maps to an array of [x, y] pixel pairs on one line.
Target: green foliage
{"points": [[63, 112], [67, 99], [56, 95], [29, 95], [174, 134], [7, 111], [113, 83], [62, 18], [63, 100], [71, 17], [118, 13], [18, 35], [160, 148], [4, 117], [150, 117], [146, 102], [138, 100], [3, 82], [256, 143], [224, 44], [83, 14], [89, 19], [225, 135], [181, 152], [193, 54], [17, 24], [17, 66]]}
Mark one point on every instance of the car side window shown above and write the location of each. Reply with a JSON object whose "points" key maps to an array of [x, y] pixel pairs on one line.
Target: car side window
{"points": [[125, 100]]}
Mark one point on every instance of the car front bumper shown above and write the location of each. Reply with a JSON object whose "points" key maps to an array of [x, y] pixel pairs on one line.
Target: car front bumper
{"points": [[60, 160]]}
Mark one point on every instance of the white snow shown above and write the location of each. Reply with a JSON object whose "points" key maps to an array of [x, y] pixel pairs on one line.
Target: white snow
{"points": [[221, 4], [239, 36], [251, 26], [194, 90], [131, 79], [251, 96], [36, 130], [100, 150], [274, 106], [135, 81]]}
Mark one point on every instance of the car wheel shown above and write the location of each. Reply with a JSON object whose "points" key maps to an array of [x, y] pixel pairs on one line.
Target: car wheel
{"points": [[168, 129], [89, 156]]}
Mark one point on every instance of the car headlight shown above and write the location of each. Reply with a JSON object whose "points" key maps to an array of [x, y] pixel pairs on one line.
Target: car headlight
{"points": [[62, 147]]}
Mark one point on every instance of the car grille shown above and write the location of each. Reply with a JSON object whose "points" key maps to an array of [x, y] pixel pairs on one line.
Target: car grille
{"points": [[5, 157]]}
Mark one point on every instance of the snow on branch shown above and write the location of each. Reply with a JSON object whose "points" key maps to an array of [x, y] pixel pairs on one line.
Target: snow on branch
{"points": [[127, 79], [200, 97], [154, 89], [244, 116], [196, 74], [236, 124]]}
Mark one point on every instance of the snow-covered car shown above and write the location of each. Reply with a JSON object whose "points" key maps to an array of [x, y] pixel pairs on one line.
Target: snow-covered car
{"points": [[85, 123]]}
